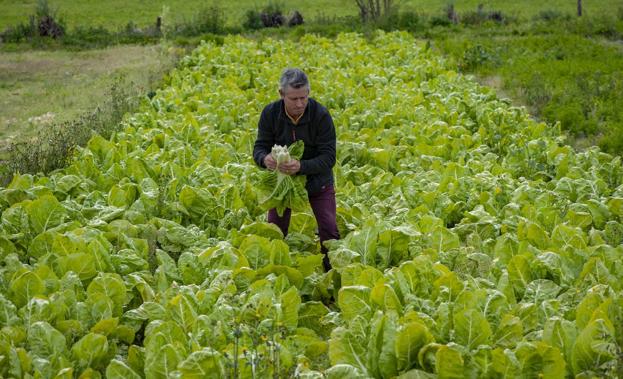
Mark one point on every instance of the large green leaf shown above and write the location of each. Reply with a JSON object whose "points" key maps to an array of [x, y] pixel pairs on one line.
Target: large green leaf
{"points": [[119, 370], [201, 205], [384, 296], [82, 264], [8, 312], [381, 352], [310, 316], [540, 360], [257, 250], [410, 338], [344, 371], [205, 363], [595, 347], [45, 341], [568, 236], [472, 328], [354, 301], [562, 334], [364, 242], [508, 332], [90, 350], [443, 239], [45, 213], [392, 248], [161, 362], [182, 310], [347, 349], [24, 286], [290, 303], [539, 290], [520, 274], [449, 363], [505, 363], [110, 286]]}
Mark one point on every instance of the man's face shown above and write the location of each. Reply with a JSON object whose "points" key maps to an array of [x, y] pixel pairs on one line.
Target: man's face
{"points": [[295, 99]]}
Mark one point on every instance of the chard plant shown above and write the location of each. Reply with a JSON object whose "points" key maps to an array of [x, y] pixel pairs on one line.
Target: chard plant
{"points": [[474, 242], [279, 190]]}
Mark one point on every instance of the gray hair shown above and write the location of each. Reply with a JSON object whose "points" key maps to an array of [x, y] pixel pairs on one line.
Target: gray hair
{"points": [[293, 77]]}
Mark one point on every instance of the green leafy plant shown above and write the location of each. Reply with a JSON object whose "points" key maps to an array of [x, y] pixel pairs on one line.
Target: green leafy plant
{"points": [[475, 243], [279, 190]]}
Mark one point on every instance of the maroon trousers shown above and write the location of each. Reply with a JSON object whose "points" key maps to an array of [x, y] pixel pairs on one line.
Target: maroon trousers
{"points": [[323, 206]]}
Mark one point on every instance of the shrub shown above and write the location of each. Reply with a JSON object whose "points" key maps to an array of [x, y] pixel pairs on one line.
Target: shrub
{"points": [[612, 140], [296, 18], [20, 32], [549, 15], [252, 20], [410, 20], [438, 20], [208, 20], [48, 23], [571, 117], [89, 37], [607, 27], [481, 16], [406, 20], [477, 56], [272, 15], [44, 23]]}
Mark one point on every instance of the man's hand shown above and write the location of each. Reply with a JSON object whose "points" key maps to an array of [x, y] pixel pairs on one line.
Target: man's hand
{"points": [[291, 167], [270, 162]]}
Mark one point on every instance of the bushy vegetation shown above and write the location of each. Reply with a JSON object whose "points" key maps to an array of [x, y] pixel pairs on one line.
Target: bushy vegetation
{"points": [[563, 78]]}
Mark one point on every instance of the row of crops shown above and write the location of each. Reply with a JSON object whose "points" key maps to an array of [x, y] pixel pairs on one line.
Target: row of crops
{"points": [[475, 243]]}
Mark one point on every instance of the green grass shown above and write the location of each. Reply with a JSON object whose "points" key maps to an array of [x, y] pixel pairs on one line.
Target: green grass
{"points": [[115, 14], [39, 89], [561, 77], [524, 9]]}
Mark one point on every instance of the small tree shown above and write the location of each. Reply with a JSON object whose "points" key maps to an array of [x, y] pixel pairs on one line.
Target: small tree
{"points": [[374, 10]]}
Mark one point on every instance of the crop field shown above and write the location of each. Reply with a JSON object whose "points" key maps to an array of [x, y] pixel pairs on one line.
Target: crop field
{"points": [[475, 244]]}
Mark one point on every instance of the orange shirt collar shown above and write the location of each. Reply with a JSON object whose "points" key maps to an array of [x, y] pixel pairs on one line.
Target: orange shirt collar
{"points": [[294, 120]]}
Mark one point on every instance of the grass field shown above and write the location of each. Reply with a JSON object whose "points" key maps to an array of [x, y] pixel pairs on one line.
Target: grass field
{"points": [[521, 8], [107, 13], [41, 88], [114, 14]]}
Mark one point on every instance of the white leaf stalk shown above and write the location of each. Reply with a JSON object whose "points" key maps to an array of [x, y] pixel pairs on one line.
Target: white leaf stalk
{"points": [[281, 155]]}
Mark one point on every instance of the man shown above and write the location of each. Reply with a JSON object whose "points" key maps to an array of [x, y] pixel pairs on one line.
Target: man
{"points": [[294, 117]]}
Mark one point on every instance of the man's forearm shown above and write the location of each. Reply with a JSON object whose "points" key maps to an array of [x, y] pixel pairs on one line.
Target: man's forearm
{"points": [[318, 164]]}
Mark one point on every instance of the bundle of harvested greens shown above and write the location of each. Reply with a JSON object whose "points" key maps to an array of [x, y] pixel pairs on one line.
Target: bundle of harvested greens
{"points": [[281, 191]]}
